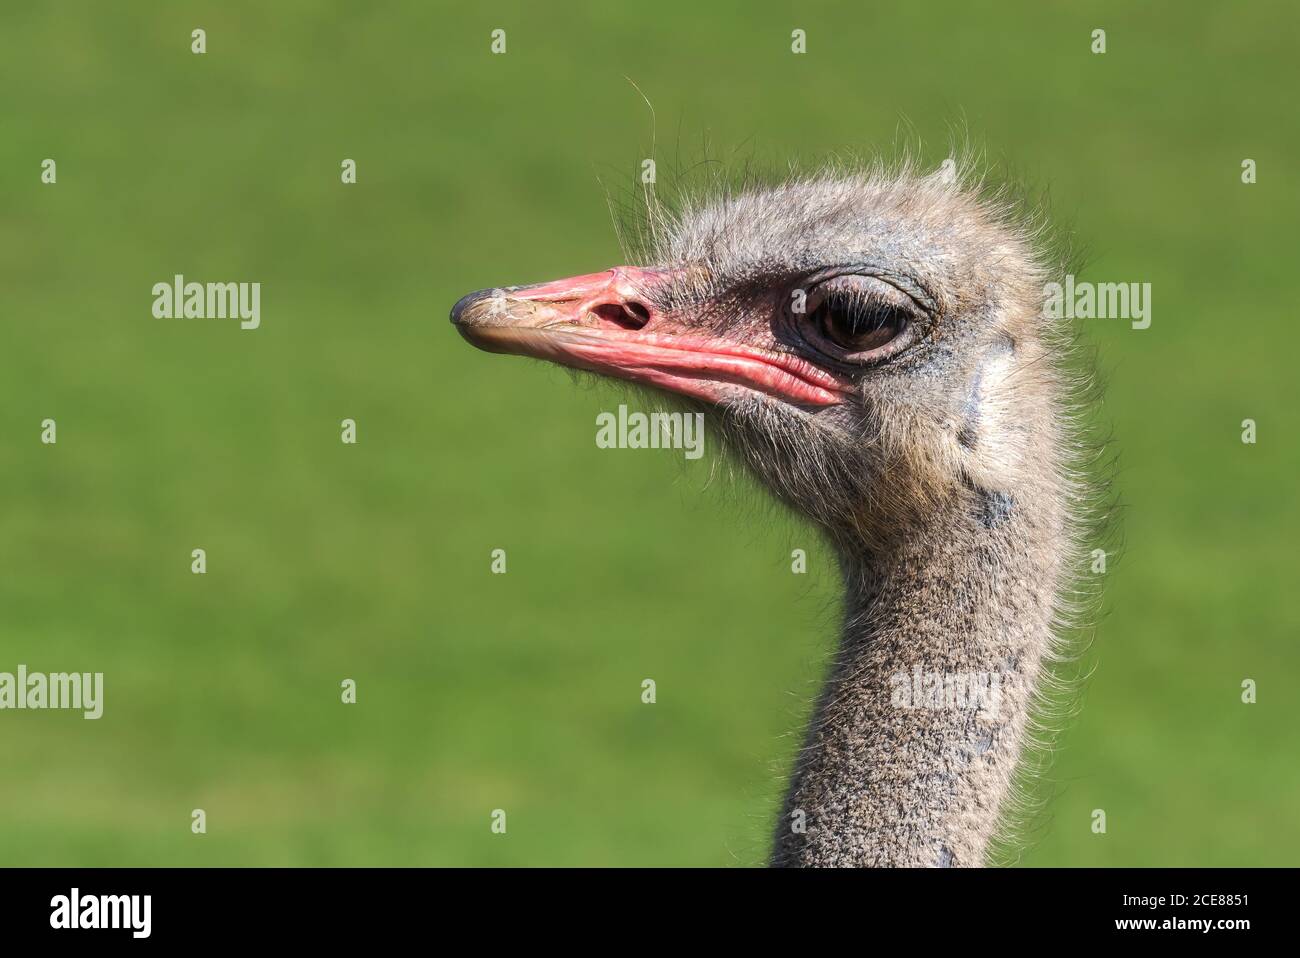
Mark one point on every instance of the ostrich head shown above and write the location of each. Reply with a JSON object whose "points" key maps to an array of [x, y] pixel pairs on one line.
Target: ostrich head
{"points": [[871, 347], [852, 337]]}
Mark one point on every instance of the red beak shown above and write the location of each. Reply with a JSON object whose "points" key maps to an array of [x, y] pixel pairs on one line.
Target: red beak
{"points": [[608, 323]]}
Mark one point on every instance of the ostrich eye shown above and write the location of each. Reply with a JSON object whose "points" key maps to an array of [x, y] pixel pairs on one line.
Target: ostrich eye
{"points": [[858, 325], [859, 318]]}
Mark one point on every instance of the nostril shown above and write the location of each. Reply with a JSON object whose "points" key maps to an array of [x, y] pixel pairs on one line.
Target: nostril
{"points": [[630, 315]]}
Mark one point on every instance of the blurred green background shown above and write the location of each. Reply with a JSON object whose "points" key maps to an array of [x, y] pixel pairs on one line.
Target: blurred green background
{"points": [[371, 562]]}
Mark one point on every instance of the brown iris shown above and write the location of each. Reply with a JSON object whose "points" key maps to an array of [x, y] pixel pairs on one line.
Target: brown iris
{"points": [[859, 315]]}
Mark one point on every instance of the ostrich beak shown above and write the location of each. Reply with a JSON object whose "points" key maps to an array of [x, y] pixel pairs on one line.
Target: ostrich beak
{"points": [[610, 323]]}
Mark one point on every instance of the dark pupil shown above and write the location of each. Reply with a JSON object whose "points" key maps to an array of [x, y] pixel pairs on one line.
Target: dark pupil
{"points": [[859, 323]]}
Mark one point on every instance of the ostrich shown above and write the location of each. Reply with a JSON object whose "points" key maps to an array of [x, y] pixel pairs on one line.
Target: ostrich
{"points": [[871, 346]]}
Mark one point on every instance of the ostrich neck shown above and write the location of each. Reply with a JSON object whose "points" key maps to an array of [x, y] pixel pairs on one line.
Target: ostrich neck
{"points": [[911, 752]]}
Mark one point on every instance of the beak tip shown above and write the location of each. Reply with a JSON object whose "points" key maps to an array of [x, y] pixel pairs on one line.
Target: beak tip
{"points": [[462, 312]]}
